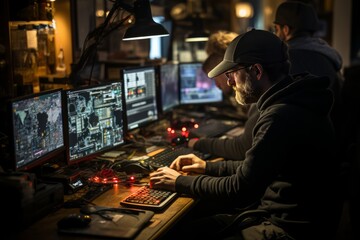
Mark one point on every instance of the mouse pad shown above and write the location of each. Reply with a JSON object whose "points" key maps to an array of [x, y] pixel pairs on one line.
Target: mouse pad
{"points": [[120, 223]]}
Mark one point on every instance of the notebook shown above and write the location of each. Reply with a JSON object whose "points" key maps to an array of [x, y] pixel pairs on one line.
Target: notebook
{"points": [[125, 223]]}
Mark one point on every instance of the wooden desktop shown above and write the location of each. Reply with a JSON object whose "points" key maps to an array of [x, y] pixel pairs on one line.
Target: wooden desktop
{"points": [[46, 228]]}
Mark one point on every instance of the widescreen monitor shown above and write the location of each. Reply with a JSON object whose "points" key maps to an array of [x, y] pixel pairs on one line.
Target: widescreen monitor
{"points": [[95, 120], [37, 128], [195, 86], [140, 96], [169, 86]]}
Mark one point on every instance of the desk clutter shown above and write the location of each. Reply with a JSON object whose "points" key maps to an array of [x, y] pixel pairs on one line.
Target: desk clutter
{"points": [[100, 221]]}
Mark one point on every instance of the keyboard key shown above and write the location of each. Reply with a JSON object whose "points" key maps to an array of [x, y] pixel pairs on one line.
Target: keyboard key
{"points": [[166, 157], [149, 198]]}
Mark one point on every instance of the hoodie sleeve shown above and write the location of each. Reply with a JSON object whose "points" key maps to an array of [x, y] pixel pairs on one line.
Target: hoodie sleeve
{"points": [[234, 148]]}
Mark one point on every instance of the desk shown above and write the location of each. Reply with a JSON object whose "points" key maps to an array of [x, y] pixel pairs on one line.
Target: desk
{"points": [[46, 228]]}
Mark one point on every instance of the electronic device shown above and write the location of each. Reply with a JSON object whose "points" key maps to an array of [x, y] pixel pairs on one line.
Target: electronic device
{"points": [[95, 120], [140, 96], [74, 220], [168, 155], [195, 86], [149, 198], [37, 129], [169, 86], [133, 166]]}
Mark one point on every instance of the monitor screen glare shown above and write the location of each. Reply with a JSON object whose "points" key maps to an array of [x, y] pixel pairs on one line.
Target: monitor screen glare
{"points": [[140, 96], [196, 87], [95, 120], [169, 79], [37, 122]]}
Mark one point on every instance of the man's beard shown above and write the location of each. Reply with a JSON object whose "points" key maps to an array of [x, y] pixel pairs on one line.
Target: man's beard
{"points": [[247, 92]]}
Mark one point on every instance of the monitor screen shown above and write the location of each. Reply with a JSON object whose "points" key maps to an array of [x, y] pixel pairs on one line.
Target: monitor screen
{"points": [[195, 86], [169, 86], [94, 120], [140, 96], [37, 128]]}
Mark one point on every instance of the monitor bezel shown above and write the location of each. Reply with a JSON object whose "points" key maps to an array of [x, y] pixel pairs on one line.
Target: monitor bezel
{"points": [[54, 154], [156, 82], [93, 155]]}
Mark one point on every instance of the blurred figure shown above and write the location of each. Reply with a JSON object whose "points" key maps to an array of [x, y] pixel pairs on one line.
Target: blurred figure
{"points": [[296, 22], [215, 48]]}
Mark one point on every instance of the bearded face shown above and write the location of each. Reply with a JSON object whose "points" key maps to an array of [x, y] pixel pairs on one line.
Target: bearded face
{"points": [[247, 91]]}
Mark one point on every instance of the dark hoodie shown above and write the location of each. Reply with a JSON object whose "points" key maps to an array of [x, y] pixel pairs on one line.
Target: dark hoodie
{"points": [[316, 56], [290, 165]]}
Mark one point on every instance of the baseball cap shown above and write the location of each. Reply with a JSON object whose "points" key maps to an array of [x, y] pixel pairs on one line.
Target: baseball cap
{"points": [[299, 15], [254, 46]]}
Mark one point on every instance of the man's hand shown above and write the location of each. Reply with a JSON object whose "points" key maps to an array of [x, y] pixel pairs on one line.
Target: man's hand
{"points": [[189, 163], [164, 178]]}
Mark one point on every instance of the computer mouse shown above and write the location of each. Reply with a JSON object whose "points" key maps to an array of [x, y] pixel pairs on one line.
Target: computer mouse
{"points": [[74, 221], [133, 166]]}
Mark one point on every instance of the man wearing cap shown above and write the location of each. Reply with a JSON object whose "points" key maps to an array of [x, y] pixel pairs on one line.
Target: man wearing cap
{"points": [[296, 23], [287, 176], [234, 148]]}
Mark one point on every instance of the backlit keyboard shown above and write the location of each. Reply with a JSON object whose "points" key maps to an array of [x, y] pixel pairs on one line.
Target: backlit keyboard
{"points": [[149, 199], [168, 155]]}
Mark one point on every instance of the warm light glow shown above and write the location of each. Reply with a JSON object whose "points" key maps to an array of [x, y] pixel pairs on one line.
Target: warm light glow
{"points": [[197, 39], [100, 13], [244, 10]]}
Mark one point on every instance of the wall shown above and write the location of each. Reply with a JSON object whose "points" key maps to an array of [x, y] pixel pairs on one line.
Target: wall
{"points": [[341, 37], [63, 30]]}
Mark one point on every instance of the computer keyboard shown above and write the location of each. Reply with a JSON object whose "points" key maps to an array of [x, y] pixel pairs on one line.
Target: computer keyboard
{"points": [[149, 199], [168, 155], [213, 128]]}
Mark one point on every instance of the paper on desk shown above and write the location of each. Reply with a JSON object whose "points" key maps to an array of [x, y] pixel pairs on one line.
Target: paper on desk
{"points": [[113, 154]]}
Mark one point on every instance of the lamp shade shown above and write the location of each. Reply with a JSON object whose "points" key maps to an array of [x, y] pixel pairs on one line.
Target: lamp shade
{"points": [[144, 26], [197, 36]]}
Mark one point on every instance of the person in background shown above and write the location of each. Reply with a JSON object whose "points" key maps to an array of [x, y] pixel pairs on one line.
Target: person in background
{"points": [[236, 147], [215, 48], [287, 174], [296, 23]]}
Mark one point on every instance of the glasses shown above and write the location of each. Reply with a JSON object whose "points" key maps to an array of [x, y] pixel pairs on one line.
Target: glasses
{"points": [[228, 74]]}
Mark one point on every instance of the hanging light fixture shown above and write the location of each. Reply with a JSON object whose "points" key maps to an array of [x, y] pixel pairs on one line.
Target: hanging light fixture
{"points": [[144, 26], [199, 34]]}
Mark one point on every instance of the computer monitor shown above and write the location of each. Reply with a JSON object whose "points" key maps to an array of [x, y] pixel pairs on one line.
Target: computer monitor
{"points": [[195, 86], [169, 86], [140, 96], [95, 120], [37, 129]]}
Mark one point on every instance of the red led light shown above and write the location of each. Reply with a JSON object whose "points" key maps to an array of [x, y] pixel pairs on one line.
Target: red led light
{"points": [[183, 129], [169, 129], [196, 125]]}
